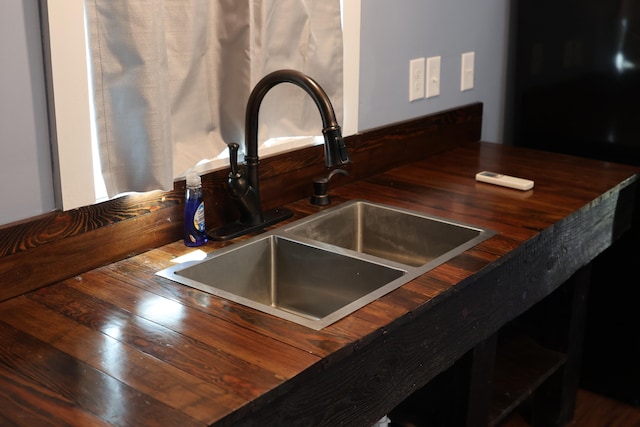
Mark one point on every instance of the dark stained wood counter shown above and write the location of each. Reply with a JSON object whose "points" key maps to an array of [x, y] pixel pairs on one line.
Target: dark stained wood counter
{"points": [[118, 345]]}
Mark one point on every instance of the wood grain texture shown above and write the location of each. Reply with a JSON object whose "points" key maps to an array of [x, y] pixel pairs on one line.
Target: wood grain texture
{"points": [[97, 235], [48, 228], [118, 345]]}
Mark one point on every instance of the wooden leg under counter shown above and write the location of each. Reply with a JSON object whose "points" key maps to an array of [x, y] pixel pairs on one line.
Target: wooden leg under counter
{"points": [[544, 354], [555, 400], [481, 374]]}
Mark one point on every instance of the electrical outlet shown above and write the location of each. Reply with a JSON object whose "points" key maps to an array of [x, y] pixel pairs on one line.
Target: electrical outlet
{"points": [[433, 76], [466, 71], [416, 79]]}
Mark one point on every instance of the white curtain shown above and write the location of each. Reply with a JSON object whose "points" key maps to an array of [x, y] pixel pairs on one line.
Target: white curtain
{"points": [[171, 79]]}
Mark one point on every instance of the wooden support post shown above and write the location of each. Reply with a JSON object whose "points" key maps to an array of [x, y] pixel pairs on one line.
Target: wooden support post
{"points": [[555, 400]]}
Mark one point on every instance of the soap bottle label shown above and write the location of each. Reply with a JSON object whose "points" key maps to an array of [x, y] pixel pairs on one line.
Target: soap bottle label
{"points": [[194, 225], [198, 218]]}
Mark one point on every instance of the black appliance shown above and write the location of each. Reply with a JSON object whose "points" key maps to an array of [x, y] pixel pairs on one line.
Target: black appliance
{"points": [[574, 87]]}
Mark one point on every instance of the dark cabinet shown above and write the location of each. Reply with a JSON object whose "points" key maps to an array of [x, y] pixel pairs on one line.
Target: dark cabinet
{"points": [[531, 366]]}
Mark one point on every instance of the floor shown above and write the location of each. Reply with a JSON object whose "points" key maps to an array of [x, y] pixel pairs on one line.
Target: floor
{"points": [[594, 410]]}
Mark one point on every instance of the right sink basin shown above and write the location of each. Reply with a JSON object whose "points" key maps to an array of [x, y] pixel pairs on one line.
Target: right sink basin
{"points": [[390, 233]]}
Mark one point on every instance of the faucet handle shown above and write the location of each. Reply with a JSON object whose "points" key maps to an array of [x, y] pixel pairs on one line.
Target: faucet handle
{"points": [[237, 183], [343, 154], [320, 187], [233, 158], [336, 153]]}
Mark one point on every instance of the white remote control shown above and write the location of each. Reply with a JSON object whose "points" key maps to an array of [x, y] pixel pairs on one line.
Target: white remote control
{"points": [[504, 180]]}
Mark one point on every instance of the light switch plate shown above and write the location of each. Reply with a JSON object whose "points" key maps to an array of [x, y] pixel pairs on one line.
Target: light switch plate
{"points": [[433, 76], [416, 79], [467, 71]]}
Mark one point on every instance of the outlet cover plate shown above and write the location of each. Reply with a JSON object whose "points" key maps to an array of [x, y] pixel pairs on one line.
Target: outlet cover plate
{"points": [[433, 76], [416, 79], [467, 71]]}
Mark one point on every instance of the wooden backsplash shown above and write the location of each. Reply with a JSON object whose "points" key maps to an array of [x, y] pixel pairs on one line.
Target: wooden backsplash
{"points": [[55, 246]]}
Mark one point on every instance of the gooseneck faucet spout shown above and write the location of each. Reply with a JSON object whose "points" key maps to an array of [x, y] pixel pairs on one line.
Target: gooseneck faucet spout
{"points": [[246, 192], [335, 149]]}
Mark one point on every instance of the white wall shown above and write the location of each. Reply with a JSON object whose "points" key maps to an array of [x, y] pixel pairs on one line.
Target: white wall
{"points": [[392, 33]]}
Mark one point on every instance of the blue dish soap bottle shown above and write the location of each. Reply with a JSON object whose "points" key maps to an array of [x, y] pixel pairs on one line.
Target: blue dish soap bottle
{"points": [[194, 228]]}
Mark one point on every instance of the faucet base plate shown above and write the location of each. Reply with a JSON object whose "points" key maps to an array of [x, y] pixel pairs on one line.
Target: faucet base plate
{"points": [[237, 228]]}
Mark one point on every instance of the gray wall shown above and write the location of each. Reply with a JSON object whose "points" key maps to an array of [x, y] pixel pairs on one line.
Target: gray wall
{"points": [[392, 33], [26, 187]]}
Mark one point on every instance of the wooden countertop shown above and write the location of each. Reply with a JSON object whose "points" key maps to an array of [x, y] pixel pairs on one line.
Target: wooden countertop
{"points": [[119, 345]]}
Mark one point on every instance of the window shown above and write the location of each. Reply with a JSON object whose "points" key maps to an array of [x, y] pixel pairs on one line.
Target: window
{"points": [[71, 127]]}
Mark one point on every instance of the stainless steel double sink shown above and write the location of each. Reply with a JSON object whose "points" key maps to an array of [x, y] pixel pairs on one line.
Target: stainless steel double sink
{"points": [[316, 270]]}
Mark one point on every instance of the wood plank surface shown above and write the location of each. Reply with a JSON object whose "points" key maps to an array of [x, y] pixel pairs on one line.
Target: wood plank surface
{"points": [[119, 345]]}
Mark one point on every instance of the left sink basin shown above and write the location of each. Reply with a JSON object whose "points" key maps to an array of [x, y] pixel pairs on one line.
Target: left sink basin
{"points": [[296, 281]]}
